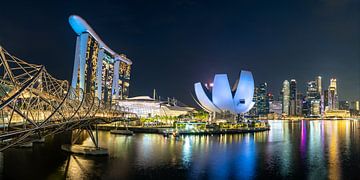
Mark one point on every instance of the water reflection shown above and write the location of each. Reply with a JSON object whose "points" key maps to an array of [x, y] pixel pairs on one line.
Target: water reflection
{"points": [[315, 152], [296, 149], [77, 167], [334, 163]]}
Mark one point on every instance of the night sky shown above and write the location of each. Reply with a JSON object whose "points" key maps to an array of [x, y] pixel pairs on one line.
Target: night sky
{"points": [[174, 44]]}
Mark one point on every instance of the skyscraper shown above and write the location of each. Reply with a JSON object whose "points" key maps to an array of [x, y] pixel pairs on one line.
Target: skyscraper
{"points": [[313, 97], [319, 85], [332, 95], [254, 109], [98, 70], [286, 97], [326, 99], [344, 105], [275, 107], [312, 90], [355, 108], [293, 97], [299, 104], [263, 100], [315, 107]]}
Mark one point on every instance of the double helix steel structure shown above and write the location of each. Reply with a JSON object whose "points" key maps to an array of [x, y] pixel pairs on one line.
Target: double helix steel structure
{"points": [[34, 104]]}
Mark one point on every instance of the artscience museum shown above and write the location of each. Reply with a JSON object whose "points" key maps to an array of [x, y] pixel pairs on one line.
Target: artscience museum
{"points": [[219, 97]]}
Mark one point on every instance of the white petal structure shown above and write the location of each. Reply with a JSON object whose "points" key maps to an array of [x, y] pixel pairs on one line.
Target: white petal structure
{"points": [[243, 98], [204, 99], [240, 100], [221, 93]]}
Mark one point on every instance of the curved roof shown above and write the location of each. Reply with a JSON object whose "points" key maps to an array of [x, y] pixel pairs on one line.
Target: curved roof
{"points": [[221, 93], [141, 98], [222, 96], [204, 99], [244, 92], [79, 25]]}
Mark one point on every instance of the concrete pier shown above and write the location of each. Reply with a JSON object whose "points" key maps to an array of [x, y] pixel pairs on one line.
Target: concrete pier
{"points": [[85, 150]]}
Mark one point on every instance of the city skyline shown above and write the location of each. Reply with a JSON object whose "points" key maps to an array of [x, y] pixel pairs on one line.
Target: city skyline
{"points": [[222, 45], [182, 89]]}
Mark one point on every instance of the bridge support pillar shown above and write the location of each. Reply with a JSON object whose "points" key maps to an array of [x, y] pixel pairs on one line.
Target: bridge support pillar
{"points": [[82, 149]]}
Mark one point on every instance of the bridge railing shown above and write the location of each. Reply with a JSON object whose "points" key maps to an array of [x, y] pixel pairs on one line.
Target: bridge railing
{"points": [[34, 102]]}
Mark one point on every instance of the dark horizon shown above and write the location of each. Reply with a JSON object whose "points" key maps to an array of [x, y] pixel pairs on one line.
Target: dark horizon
{"points": [[174, 44]]}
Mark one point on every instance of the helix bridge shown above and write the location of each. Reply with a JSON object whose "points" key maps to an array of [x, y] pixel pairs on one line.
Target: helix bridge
{"points": [[34, 105]]}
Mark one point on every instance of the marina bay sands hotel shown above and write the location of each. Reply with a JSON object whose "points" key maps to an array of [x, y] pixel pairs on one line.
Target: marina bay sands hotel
{"points": [[98, 70]]}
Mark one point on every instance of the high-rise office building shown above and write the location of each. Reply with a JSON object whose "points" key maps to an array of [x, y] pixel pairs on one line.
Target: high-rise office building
{"points": [[322, 106], [355, 105], [98, 70], [281, 96], [254, 109], [315, 107], [319, 85], [286, 97], [275, 107], [312, 90], [306, 111], [263, 100], [313, 97], [344, 105], [332, 95], [355, 108], [293, 97], [326, 99], [299, 104]]}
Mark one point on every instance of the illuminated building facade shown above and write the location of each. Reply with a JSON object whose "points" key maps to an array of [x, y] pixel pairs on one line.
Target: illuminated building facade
{"points": [[263, 100], [286, 97], [355, 105], [332, 95], [355, 108], [299, 104], [312, 91], [98, 70], [313, 98], [315, 107], [344, 105], [254, 110], [293, 97], [146, 107], [319, 84], [326, 99], [337, 114], [237, 100], [275, 107]]}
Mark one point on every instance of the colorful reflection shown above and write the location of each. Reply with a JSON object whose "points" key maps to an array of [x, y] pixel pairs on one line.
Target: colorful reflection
{"points": [[291, 150], [301, 149]]}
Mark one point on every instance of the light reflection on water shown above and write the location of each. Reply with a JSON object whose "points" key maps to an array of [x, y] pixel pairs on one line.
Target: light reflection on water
{"points": [[298, 149]]}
